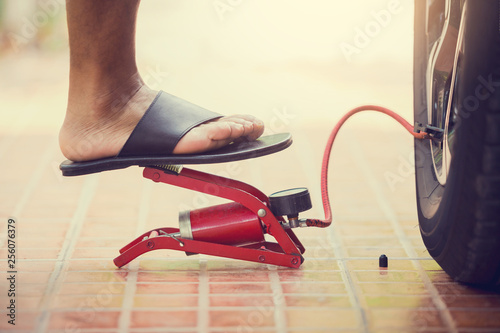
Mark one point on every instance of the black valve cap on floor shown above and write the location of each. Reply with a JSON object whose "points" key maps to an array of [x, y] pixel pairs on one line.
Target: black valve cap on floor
{"points": [[290, 202], [383, 261]]}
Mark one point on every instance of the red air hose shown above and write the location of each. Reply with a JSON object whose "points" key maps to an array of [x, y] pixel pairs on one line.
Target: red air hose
{"points": [[326, 157]]}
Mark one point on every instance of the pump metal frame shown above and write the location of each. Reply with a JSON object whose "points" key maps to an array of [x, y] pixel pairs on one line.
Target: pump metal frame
{"points": [[287, 251]]}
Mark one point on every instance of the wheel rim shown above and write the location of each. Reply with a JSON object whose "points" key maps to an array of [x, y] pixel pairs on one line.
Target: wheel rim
{"points": [[444, 26]]}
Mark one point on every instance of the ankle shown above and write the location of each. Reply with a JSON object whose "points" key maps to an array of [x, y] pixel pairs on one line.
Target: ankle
{"points": [[99, 97]]}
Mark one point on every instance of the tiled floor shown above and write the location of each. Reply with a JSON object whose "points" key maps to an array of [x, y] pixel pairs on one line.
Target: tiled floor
{"points": [[70, 229]]}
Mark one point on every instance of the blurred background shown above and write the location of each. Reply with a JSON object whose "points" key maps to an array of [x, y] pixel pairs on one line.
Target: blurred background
{"points": [[292, 63]]}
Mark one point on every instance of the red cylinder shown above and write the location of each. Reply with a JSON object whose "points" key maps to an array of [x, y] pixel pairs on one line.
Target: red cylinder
{"points": [[230, 224]]}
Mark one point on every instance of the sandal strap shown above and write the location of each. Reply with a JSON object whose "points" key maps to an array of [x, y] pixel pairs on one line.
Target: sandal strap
{"points": [[165, 122]]}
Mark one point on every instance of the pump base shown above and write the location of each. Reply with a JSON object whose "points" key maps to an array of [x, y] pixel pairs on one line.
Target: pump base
{"points": [[262, 252]]}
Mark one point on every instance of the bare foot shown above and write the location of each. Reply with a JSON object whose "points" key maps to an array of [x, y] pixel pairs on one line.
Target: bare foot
{"points": [[98, 127]]}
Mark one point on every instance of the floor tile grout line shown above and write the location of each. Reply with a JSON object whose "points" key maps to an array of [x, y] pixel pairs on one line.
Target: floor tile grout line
{"points": [[238, 295], [86, 196], [407, 245], [125, 317], [203, 317], [280, 321], [188, 259], [32, 183], [310, 170], [352, 292], [76, 225], [166, 330], [253, 308]]}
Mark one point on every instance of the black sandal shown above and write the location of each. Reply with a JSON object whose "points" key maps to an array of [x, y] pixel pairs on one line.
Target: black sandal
{"points": [[154, 138]]}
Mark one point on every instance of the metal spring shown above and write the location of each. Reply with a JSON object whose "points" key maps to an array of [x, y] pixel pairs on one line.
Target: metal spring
{"points": [[170, 167]]}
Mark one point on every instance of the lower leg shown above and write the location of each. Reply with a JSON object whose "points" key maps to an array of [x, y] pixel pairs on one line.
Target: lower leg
{"points": [[102, 52], [103, 78], [107, 96]]}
